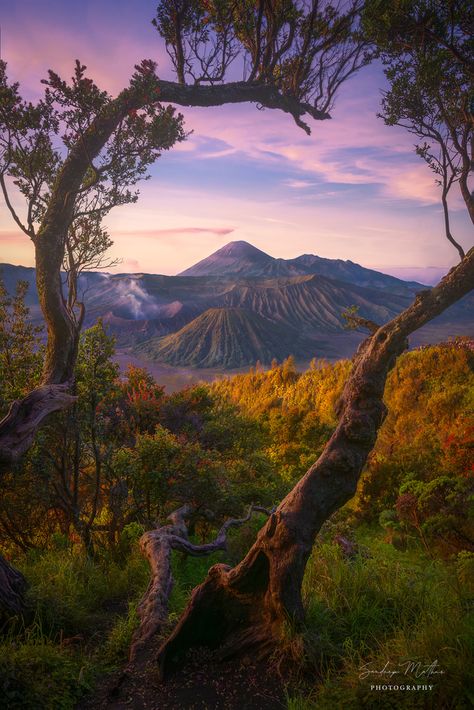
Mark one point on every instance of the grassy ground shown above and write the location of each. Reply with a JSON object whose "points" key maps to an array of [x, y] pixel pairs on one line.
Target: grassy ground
{"points": [[81, 621], [368, 618], [377, 611]]}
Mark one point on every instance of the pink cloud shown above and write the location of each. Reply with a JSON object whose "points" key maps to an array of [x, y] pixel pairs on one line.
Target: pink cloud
{"points": [[12, 236], [355, 128], [299, 184], [128, 265], [218, 231], [16, 248], [347, 150], [266, 136], [32, 45]]}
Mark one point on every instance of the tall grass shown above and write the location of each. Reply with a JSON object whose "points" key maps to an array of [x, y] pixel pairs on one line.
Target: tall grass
{"points": [[78, 627], [83, 615], [390, 607], [386, 606], [36, 673], [72, 594]]}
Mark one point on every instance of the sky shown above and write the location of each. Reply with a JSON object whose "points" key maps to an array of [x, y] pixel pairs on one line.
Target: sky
{"points": [[352, 190]]}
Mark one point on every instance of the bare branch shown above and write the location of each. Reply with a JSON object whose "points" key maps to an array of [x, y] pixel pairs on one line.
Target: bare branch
{"points": [[353, 320], [29, 232]]}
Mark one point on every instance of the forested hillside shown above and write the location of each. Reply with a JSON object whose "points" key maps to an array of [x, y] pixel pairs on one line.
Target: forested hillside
{"points": [[420, 474]]}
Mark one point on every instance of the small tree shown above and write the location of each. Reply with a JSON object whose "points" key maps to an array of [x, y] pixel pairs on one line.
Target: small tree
{"points": [[37, 145], [73, 156], [67, 469]]}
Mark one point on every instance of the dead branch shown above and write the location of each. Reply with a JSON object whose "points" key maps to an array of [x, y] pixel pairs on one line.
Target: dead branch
{"points": [[359, 322], [25, 416]]}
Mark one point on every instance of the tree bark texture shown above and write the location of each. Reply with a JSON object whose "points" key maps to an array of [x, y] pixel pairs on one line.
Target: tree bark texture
{"points": [[12, 590], [247, 606], [157, 546], [19, 426]]}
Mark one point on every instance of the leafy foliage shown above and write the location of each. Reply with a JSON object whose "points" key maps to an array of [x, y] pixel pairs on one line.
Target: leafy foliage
{"points": [[427, 49], [21, 353], [36, 140], [303, 50], [425, 458], [245, 439]]}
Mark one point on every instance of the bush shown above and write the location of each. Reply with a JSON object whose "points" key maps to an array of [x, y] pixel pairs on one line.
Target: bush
{"points": [[37, 674]]}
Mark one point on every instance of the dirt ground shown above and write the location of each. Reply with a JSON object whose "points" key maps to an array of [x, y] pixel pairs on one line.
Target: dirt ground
{"points": [[202, 683]]}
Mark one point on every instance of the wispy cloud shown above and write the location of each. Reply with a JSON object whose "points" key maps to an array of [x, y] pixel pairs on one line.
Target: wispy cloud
{"points": [[129, 265], [354, 149], [353, 189], [156, 233], [299, 184]]}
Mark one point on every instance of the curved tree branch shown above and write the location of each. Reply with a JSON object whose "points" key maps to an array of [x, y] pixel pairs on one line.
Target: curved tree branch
{"points": [[236, 92], [156, 546], [19, 426]]}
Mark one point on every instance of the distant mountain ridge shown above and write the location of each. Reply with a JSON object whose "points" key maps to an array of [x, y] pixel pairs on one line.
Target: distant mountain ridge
{"points": [[240, 305], [243, 259]]}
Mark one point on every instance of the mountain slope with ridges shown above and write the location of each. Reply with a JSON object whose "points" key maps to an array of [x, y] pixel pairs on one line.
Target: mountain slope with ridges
{"points": [[228, 338], [234, 258], [286, 311], [243, 259], [312, 302]]}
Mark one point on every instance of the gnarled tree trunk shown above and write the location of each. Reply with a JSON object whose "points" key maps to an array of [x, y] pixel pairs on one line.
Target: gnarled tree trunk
{"points": [[247, 606], [157, 546], [19, 427]]}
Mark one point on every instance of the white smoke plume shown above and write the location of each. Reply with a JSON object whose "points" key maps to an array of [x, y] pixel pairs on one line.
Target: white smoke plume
{"points": [[138, 301]]}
